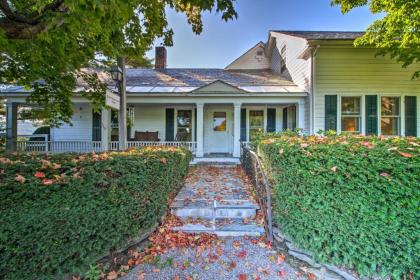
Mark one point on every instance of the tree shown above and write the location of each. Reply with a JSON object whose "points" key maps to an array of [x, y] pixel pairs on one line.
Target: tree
{"points": [[47, 45], [396, 34]]}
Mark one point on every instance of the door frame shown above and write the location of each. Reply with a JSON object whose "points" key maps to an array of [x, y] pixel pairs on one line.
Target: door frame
{"points": [[208, 126]]}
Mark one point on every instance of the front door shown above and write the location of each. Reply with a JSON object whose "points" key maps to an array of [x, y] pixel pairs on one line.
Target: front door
{"points": [[218, 133]]}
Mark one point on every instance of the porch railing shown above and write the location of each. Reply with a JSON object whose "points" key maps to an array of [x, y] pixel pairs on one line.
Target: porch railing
{"points": [[254, 169], [77, 146], [81, 146]]}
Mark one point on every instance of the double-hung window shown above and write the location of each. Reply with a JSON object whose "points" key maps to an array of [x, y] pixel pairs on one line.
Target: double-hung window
{"points": [[184, 125], [256, 123], [350, 114], [390, 115]]}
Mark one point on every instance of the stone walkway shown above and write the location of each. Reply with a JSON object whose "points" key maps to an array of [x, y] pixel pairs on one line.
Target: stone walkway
{"points": [[216, 205]]}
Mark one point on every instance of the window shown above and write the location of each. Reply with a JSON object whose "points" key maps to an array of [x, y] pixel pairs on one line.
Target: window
{"points": [[184, 125], [256, 123], [283, 58], [390, 115], [219, 121], [350, 114]]}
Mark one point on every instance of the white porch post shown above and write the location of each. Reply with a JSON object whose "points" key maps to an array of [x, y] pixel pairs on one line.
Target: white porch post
{"points": [[301, 114], [200, 130], [236, 130], [105, 128], [11, 126], [122, 128]]}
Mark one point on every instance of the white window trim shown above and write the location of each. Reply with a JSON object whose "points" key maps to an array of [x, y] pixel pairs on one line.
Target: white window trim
{"points": [[401, 123], [361, 116], [181, 108], [255, 108]]}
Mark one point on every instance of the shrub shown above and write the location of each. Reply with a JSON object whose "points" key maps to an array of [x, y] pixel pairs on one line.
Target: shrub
{"points": [[350, 200], [59, 214]]}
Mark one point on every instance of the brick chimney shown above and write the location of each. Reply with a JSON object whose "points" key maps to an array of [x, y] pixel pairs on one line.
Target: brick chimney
{"points": [[160, 58]]}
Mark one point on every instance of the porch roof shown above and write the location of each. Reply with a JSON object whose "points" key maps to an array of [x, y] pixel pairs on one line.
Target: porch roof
{"points": [[155, 81], [189, 80]]}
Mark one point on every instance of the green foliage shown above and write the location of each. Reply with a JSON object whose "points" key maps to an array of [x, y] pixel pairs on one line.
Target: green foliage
{"points": [[350, 200], [61, 213], [47, 45], [397, 33]]}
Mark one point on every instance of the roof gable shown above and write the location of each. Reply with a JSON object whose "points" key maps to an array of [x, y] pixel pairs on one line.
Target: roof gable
{"points": [[254, 58], [218, 86]]}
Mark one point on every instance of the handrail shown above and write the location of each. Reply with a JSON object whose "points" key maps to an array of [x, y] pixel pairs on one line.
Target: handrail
{"points": [[254, 168]]}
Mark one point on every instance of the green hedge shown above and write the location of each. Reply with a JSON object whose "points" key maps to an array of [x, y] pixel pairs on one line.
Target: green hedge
{"points": [[84, 207], [352, 201]]}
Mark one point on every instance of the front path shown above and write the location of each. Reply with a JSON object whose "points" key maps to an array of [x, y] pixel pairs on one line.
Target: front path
{"points": [[176, 254]]}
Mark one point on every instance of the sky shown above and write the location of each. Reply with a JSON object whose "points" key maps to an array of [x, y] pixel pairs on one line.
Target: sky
{"points": [[222, 42]]}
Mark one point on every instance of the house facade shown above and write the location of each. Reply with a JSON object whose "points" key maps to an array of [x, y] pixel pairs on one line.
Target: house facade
{"points": [[308, 80]]}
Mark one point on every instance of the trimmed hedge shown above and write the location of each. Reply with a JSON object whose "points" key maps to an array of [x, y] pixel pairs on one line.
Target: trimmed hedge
{"points": [[350, 200], [61, 213]]}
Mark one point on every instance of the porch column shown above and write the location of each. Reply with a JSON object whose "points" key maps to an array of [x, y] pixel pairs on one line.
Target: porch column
{"points": [[200, 130], [301, 114], [105, 128], [237, 130], [11, 126]]}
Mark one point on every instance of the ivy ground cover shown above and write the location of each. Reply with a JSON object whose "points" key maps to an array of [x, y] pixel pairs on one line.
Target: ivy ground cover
{"points": [[350, 200], [59, 214]]}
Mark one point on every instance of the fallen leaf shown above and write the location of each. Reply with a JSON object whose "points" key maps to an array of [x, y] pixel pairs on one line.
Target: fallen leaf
{"points": [[141, 275], [112, 275], [47, 182], [407, 155], [334, 168], [241, 254], [242, 277], [311, 276], [384, 174], [19, 178], [280, 259], [281, 273], [39, 174]]}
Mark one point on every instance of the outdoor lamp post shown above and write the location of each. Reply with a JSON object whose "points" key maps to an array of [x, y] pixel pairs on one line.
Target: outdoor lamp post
{"points": [[118, 75]]}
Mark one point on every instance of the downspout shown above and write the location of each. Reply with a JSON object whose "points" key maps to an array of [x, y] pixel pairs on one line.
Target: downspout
{"points": [[313, 87]]}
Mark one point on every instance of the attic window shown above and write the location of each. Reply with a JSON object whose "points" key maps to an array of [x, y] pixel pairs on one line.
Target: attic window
{"points": [[260, 53], [283, 58]]}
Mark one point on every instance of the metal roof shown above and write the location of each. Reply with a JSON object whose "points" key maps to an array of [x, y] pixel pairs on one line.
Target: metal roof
{"points": [[323, 35]]}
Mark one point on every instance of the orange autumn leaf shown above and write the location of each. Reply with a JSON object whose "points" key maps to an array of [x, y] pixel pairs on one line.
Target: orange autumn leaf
{"points": [[163, 160], [280, 259], [407, 155], [112, 275], [19, 178], [311, 276], [281, 273], [47, 182], [242, 277], [39, 174]]}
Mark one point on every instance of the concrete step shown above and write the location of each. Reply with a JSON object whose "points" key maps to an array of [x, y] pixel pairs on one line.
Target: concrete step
{"points": [[216, 161], [212, 209], [222, 227]]}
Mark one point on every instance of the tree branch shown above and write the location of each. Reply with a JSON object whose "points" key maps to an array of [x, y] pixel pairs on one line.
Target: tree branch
{"points": [[14, 16]]}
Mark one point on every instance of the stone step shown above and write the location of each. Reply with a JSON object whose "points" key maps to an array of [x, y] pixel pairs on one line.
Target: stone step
{"points": [[214, 209], [223, 227], [216, 161]]}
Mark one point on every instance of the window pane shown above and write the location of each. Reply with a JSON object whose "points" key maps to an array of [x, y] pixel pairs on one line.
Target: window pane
{"points": [[390, 106], [256, 123], [350, 105], [390, 126], [350, 124], [184, 125], [219, 121]]}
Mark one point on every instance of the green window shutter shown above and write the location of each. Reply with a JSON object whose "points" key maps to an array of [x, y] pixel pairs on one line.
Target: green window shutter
{"points": [[170, 118], [285, 118], [410, 116], [330, 112], [271, 120], [243, 124], [371, 115], [96, 126]]}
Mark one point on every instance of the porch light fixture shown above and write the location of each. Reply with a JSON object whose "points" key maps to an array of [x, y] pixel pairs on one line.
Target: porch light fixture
{"points": [[116, 74]]}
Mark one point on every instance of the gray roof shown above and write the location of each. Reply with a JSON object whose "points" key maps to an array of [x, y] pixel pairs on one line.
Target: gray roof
{"points": [[323, 35], [188, 80]]}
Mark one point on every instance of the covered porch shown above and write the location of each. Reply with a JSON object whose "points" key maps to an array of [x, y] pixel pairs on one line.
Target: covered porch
{"points": [[208, 128]]}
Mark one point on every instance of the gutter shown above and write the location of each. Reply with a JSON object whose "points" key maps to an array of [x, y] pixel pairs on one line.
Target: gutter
{"points": [[313, 87]]}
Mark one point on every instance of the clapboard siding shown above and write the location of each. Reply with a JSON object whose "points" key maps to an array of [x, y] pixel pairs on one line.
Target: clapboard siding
{"points": [[298, 69], [149, 118], [250, 60], [356, 71], [81, 128]]}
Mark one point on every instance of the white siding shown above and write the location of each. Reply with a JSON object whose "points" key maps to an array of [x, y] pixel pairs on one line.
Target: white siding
{"points": [[298, 69], [357, 72], [250, 60], [81, 128], [149, 118]]}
